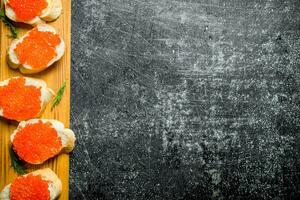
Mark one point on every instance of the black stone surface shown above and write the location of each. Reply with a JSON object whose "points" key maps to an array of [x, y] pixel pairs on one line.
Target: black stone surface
{"points": [[186, 99]]}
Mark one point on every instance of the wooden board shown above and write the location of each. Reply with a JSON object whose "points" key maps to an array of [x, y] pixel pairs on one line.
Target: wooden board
{"points": [[54, 76]]}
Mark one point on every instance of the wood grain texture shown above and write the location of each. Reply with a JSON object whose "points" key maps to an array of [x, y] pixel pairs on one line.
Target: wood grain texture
{"points": [[54, 76]]}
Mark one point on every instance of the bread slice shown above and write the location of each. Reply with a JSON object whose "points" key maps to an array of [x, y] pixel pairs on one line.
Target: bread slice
{"points": [[51, 13], [55, 185], [46, 95], [14, 62], [66, 136]]}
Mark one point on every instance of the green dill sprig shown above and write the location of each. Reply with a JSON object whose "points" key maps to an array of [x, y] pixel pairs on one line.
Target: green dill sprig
{"points": [[16, 163], [59, 95], [6, 21]]}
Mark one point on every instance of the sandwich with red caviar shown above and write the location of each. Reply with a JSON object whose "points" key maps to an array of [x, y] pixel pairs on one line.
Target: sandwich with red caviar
{"points": [[37, 140], [36, 50], [41, 184], [23, 98], [33, 12]]}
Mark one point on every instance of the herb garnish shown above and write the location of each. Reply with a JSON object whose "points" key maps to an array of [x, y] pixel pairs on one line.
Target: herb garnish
{"points": [[58, 95], [16, 162], [6, 21]]}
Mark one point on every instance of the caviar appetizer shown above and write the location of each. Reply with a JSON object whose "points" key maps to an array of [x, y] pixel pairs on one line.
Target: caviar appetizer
{"points": [[37, 140], [33, 12], [23, 98], [42, 184], [36, 50]]}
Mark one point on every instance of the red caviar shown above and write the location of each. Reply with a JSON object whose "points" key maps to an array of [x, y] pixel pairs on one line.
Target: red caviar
{"points": [[30, 187], [26, 10], [37, 142], [19, 101], [38, 48]]}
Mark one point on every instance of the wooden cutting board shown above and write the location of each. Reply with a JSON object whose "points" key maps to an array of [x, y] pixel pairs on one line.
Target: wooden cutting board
{"points": [[54, 76]]}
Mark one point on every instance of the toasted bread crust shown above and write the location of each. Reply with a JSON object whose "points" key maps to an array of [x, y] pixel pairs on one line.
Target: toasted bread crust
{"points": [[55, 10], [55, 185], [71, 140], [5, 193]]}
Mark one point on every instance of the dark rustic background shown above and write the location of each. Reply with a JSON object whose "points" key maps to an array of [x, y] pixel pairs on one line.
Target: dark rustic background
{"points": [[186, 99]]}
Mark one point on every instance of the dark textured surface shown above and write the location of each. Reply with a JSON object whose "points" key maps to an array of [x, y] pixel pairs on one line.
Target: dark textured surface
{"points": [[186, 99]]}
